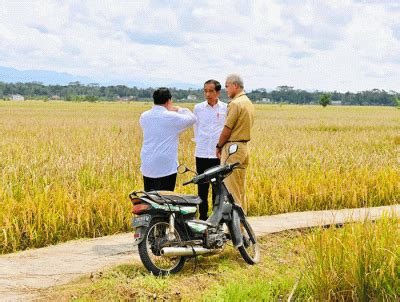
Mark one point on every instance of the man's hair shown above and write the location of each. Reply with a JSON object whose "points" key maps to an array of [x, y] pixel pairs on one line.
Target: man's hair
{"points": [[235, 79], [161, 96], [217, 84]]}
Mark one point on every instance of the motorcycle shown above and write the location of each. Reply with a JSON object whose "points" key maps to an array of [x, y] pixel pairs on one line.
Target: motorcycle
{"points": [[167, 232]]}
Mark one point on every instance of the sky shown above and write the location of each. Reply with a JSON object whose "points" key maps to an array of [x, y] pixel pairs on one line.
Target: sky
{"points": [[313, 45]]}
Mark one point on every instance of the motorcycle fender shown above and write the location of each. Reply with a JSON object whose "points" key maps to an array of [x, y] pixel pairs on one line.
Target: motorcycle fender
{"points": [[242, 217], [140, 224], [240, 211], [139, 234], [234, 229]]}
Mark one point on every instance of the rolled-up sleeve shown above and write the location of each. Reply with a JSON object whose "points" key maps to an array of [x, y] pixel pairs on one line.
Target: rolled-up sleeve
{"points": [[196, 125], [232, 115], [186, 119]]}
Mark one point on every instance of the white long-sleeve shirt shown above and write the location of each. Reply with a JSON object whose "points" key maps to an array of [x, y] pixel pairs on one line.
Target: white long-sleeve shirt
{"points": [[208, 127], [161, 128]]}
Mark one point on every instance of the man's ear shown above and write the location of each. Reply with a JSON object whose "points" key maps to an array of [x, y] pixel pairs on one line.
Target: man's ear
{"points": [[168, 104]]}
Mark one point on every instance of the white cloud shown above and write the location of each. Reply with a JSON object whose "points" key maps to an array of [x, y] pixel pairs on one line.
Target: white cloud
{"points": [[329, 45]]}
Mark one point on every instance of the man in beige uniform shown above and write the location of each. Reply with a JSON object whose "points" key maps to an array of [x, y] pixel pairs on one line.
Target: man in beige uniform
{"points": [[237, 130]]}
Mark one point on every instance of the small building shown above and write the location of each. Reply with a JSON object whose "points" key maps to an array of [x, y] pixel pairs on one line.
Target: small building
{"points": [[55, 98], [17, 97], [264, 101], [191, 97], [127, 98]]}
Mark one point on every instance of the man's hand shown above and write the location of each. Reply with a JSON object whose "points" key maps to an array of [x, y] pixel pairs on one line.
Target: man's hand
{"points": [[218, 152], [171, 107], [223, 138], [175, 108]]}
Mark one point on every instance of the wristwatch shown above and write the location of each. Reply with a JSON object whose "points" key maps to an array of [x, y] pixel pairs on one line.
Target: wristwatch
{"points": [[218, 146]]}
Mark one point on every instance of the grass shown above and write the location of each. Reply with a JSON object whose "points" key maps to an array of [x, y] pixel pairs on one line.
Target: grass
{"points": [[359, 262], [224, 277], [66, 168]]}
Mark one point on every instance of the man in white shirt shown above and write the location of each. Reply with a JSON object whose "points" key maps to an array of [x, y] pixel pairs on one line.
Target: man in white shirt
{"points": [[210, 116], [161, 127]]}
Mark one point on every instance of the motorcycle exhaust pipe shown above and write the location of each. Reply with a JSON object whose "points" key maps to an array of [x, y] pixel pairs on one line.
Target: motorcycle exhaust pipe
{"points": [[184, 251]]}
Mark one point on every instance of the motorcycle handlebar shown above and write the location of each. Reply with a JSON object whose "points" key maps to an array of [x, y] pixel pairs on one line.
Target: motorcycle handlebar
{"points": [[200, 177], [187, 182], [234, 165], [194, 180]]}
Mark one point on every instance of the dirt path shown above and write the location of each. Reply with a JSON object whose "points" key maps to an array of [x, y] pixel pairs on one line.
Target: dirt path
{"points": [[23, 274]]}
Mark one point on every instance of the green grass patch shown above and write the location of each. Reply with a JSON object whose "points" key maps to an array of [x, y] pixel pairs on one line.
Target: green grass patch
{"points": [[359, 262], [224, 277]]}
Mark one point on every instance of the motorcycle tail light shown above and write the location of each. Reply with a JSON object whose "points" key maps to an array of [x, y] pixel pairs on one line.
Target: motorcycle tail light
{"points": [[140, 207], [136, 200]]}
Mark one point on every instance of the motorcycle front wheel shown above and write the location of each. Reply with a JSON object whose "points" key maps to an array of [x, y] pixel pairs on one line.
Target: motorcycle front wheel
{"points": [[155, 238], [249, 249]]}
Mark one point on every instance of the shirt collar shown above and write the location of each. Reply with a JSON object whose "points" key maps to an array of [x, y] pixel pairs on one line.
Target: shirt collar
{"points": [[159, 108], [238, 95], [216, 104]]}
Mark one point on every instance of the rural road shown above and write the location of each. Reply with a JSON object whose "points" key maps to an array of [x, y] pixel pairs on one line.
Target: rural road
{"points": [[24, 274]]}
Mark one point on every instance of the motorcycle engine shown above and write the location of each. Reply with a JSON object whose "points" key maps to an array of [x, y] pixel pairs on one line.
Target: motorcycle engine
{"points": [[215, 240]]}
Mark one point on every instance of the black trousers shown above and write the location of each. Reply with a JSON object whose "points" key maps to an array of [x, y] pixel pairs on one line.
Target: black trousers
{"points": [[166, 183], [203, 164]]}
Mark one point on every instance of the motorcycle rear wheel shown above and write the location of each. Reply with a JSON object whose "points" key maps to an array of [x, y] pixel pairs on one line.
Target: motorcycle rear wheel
{"points": [[249, 249], [149, 249]]}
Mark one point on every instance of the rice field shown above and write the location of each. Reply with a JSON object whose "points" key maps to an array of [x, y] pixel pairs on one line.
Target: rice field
{"points": [[361, 262], [66, 168]]}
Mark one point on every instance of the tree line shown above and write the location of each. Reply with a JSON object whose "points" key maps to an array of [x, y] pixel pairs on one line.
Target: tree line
{"points": [[75, 91], [287, 94]]}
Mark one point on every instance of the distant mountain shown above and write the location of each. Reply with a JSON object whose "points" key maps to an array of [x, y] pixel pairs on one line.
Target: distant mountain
{"points": [[47, 77], [185, 86], [12, 75]]}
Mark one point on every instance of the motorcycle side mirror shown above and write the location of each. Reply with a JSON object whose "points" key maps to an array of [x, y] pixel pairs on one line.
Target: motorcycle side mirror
{"points": [[183, 169], [232, 149]]}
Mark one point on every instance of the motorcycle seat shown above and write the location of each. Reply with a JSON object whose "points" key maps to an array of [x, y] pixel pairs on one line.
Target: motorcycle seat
{"points": [[174, 198]]}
